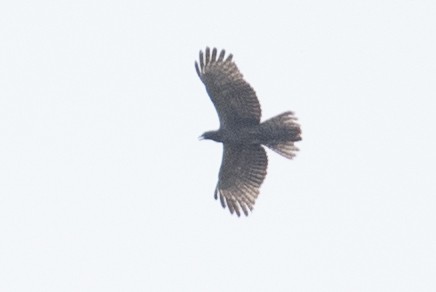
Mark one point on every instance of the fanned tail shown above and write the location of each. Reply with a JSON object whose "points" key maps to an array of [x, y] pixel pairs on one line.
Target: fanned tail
{"points": [[280, 133]]}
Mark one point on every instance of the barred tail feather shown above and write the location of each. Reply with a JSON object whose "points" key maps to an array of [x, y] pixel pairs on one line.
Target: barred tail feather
{"points": [[281, 132]]}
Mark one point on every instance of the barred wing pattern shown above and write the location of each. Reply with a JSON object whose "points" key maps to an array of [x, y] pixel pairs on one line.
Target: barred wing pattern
{"points": [[242, 172], [234, 99]]}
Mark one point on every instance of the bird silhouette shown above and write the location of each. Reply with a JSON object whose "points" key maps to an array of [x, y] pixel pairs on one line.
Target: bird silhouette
{"points": [[244, 162]]}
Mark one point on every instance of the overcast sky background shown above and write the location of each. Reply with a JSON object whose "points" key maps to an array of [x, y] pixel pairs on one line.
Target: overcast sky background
{"points": [[104, 185]]}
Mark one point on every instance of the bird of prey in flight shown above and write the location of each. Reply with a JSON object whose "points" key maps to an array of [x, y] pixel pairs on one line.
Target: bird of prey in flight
{"points": [[244, 161]]}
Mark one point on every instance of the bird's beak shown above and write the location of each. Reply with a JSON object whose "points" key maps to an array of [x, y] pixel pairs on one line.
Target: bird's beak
{"points": [[201, 138]]}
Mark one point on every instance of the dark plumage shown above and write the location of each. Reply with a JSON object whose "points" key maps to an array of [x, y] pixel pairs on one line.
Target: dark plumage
{"points": [[244, 162]]}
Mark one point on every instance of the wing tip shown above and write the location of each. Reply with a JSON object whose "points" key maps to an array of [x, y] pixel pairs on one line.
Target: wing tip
{"points": [[210, 55], [234, 205]]}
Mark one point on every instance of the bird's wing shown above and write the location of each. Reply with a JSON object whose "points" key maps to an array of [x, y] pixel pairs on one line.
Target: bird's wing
{"points": [[234, 99], [242, 172]]}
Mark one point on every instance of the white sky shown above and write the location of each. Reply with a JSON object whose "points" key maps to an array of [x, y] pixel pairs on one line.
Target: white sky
{"points": [[105, 187]]}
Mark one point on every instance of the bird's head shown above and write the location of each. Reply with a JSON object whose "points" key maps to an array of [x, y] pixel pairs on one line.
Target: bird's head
{"points": [[211, 135]]}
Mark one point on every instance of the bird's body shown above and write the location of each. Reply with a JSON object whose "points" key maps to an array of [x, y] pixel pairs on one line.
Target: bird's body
{"points": [[243, 136], [256, 134], [244, 163]]}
